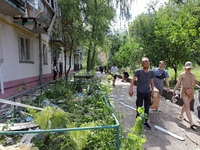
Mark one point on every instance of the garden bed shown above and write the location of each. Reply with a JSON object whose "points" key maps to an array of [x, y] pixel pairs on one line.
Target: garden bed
{"points": [[72, 120], [67, 110]]}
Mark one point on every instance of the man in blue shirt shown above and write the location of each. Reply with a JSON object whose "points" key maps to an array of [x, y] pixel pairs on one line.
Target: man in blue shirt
{"points": [[159, 75], [144, 77]]}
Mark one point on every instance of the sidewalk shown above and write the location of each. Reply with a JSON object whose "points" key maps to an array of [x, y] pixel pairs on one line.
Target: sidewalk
{"points": [[167, 118]]}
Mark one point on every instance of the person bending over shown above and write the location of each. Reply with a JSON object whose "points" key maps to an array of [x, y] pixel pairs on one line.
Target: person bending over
{"points": [[124, 76]]}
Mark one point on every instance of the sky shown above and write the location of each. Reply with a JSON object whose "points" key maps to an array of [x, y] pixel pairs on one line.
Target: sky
{"points": [[137, 8]]}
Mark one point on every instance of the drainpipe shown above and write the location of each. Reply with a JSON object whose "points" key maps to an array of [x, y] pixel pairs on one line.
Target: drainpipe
{"points": [[40, 58], [1, 80], [49, 31]]}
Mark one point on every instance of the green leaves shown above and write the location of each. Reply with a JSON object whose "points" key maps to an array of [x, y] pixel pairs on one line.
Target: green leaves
{"points": [[135, 138]]}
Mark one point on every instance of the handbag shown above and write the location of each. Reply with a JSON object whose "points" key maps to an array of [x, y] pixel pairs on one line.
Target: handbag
{"points": [[161, 76], [189, 91]]}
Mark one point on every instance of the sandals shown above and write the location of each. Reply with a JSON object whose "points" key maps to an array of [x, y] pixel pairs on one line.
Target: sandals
{"points": [[181, 117], [192, 125]]}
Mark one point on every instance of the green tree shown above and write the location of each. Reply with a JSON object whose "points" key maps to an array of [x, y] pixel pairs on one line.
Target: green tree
{"points": [[170, 35], [72, 21], [161, 35], [101, 13], [190, 15], [129, 55]]}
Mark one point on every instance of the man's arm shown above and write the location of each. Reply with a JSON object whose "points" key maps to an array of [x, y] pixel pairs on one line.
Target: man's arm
{"points": [[177, 84], [118, 70], [152, 88], [131, 85], [167, 82]]}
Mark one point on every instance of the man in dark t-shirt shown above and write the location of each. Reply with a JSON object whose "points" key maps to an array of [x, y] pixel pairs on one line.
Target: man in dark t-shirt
{"points": [[125, 75], [144, 77]]}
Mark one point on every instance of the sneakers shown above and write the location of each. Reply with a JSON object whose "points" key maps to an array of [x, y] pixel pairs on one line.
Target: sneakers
{"points": [[113, 85], [122, 81], [147, 126]]}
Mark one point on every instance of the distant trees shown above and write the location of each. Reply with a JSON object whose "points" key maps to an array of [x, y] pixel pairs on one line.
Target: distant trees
{"points": [[87, 23]]}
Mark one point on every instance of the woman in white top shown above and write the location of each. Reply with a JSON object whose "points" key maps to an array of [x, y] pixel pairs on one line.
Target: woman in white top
{"points": [[187, 81]]}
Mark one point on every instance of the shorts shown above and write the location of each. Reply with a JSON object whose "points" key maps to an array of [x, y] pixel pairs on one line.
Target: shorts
{"points": [[114, 75], [183, 94], [160, 89]]}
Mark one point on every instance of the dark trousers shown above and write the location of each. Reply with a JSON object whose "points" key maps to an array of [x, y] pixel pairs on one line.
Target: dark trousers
{"points": [[54, 75], [146, 97]]}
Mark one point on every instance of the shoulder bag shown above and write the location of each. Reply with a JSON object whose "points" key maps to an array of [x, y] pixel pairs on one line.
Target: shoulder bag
{"points": [[190, 90]]}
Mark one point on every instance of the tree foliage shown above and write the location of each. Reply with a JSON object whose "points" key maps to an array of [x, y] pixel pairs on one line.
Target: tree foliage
{"points": [[170, 34]]}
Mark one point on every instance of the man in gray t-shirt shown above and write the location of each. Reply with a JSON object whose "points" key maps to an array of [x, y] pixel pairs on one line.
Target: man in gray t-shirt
{"points": [[144, 92], [159, 75]]}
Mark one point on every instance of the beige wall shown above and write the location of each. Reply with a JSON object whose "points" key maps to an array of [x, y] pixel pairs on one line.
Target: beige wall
{"points": [[102, 57]]}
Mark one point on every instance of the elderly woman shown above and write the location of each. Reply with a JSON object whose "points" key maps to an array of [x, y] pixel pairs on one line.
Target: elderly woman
{"points": [[187, 81]]}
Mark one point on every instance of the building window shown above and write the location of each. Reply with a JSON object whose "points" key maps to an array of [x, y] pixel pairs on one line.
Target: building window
{"points": [[45, 61], [24, 49]]}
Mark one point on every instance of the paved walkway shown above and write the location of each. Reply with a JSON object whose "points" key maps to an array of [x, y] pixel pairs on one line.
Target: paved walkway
{"points": [[166, 118]]}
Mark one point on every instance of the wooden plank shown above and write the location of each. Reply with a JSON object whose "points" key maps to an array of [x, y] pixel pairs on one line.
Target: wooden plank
{"points": [[170, 133], [19, 104], [17, 126]]}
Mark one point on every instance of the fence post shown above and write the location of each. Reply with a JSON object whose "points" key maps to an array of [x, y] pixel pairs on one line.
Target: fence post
{"points": [[118, 137], [14, 109]]}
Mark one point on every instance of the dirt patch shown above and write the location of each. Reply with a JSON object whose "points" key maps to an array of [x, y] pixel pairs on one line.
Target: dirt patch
{"points": [[167, 118]]}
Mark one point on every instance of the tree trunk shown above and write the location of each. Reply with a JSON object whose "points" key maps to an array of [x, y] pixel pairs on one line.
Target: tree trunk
{"points": [[70, 58], [65, 57], [88, 57], [175, 70], [92, 62]]}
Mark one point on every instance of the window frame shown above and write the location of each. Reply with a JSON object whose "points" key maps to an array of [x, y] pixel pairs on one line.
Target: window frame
{"points": [[26, 57]]}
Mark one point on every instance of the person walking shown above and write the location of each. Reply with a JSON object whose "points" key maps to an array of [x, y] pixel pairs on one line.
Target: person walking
{"points": [[55, 71], [144, 91], [187, 81], [159, 75], [114, 70]]}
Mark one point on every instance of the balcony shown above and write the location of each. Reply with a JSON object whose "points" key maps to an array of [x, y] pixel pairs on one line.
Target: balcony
{"points": [[38, 16], [12, 7]]}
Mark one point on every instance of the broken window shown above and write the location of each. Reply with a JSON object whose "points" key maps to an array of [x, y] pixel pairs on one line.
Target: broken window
{"points": [[24, 49]]}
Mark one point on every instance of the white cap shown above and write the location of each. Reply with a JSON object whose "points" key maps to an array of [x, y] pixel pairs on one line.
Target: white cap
{"points": [[188, 64]]}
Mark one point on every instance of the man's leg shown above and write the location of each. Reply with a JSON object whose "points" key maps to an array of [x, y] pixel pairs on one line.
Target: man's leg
{"points": [[147, 102], [139, 101], [114, 77], [159, 96]]}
